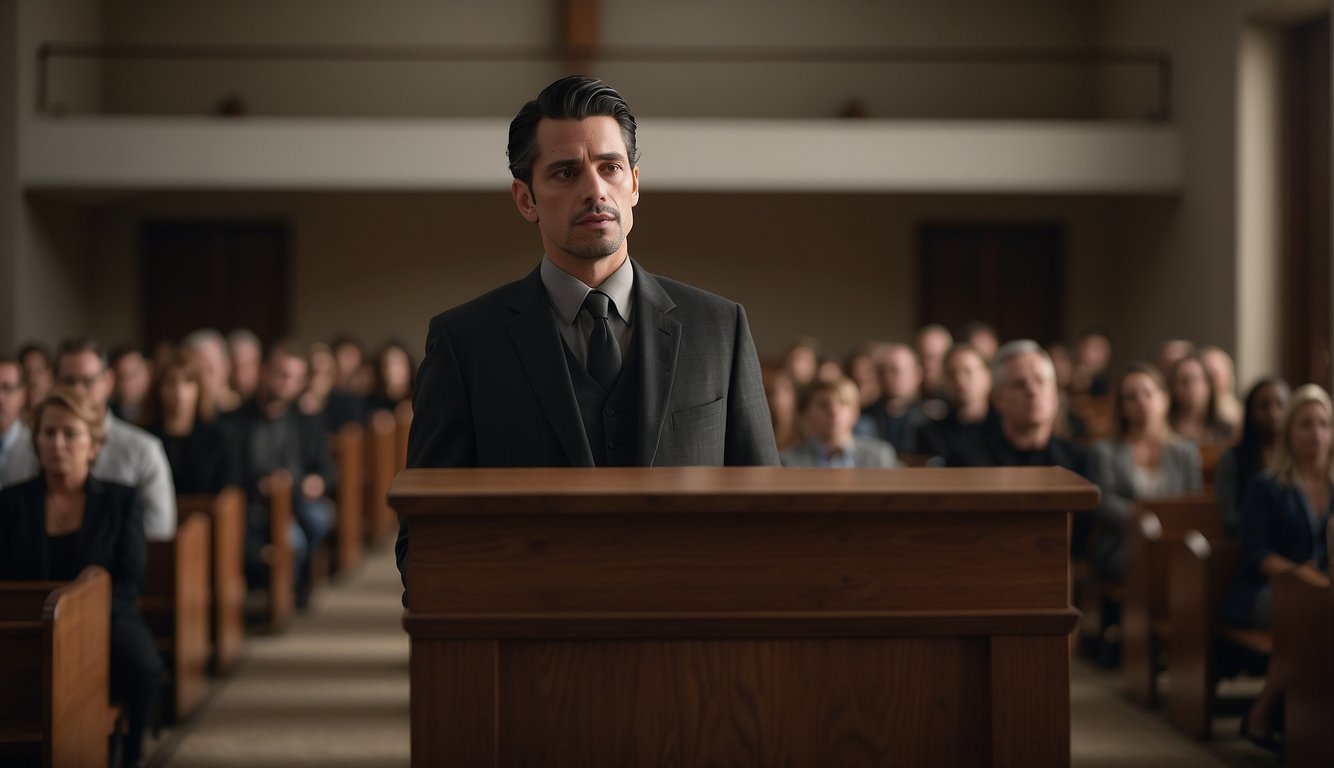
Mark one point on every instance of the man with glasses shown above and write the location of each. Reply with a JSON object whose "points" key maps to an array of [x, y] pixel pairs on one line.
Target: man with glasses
{"points": [[14, 431], [130, 455]]}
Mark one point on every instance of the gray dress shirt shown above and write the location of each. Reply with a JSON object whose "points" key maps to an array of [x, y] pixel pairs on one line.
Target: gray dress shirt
{"points": [[567, 294]]}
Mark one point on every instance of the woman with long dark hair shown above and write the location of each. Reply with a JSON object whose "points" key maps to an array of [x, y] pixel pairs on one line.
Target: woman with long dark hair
{"points": [[1263, 415]]}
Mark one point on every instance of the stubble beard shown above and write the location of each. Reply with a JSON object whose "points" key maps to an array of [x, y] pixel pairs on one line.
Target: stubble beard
{"points": [[603, 245]]}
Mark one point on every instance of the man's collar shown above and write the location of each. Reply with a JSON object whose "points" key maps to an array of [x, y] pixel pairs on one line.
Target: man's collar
{"points": [[567, 292]]}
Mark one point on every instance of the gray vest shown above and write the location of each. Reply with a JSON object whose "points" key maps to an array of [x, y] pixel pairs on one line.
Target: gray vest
{"points": [[611, 419]]}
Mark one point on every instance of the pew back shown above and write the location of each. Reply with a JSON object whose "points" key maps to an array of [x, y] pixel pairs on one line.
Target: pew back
{"points": [[1200, 570], [278, 553], [175, 603], [381, 456], [227, 588], [1150, 530], [349, 454], [55, 641], [402, 415], [1304, 635]]}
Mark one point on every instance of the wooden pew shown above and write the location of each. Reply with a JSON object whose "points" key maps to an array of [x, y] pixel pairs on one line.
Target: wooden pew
{"points": [[1151, 529], [278, 555], [1304, 635], [1209, 456], [55, 640], [1201, 651], [403, 415], [349, 504], [227, 587], [381, 460], [175, 604]]}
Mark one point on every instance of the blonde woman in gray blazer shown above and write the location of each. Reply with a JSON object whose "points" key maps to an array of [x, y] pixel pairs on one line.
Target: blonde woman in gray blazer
{"points": [[1144, 460]]}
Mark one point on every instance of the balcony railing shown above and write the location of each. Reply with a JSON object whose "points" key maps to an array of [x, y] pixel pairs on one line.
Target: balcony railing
{"points": [[688, 81]]}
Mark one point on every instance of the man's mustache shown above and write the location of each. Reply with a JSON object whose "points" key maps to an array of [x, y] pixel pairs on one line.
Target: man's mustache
{"points": [[596, 210]]}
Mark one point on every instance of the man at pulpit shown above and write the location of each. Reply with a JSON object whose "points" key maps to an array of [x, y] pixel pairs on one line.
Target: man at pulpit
{"points": [[589, 360]]}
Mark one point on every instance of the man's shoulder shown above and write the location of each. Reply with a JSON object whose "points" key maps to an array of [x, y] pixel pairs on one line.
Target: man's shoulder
{"points": [[684, 294], [483, 308], [123, 436]]}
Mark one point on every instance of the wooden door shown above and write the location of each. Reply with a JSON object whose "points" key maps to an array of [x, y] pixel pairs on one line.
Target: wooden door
{"points": [[214, 274], [1008, 275]]}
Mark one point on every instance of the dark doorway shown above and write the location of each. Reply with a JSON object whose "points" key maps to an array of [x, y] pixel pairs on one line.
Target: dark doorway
{"points": [[212, 274], [1306, 259], [1007, 275]]}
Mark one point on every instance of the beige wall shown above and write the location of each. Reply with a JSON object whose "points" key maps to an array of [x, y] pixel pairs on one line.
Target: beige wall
{"points": [[840, 267], [9, 191], [44, 248]]}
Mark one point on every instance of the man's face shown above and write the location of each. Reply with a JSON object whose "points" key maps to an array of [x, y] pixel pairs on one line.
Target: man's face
{"points": [[13, 395], [1026, 396], [901, 376], [968, 379], [132, 378], [830, 419], [84, 371], [286, 376], [584, 189]]}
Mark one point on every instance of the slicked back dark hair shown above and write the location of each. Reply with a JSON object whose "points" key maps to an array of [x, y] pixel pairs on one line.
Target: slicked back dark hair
{"points": [[574, 98]]}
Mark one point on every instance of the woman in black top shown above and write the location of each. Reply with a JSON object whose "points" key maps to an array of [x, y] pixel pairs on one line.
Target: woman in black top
{"points": [[1262, 417], [58, 523], [181, 416]]}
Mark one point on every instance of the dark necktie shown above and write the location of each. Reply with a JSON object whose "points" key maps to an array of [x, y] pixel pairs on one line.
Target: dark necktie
{"points": [[604, 353]]}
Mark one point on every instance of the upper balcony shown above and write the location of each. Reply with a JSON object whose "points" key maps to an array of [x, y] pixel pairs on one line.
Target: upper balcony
{"points": [[998, 120]]}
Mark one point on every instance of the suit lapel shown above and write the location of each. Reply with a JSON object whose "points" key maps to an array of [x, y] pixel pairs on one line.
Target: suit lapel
{"points": [[542, 354], [659, 340]]}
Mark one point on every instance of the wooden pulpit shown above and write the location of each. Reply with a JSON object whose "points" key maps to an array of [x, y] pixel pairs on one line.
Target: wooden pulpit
{"points": [[740, 616]]}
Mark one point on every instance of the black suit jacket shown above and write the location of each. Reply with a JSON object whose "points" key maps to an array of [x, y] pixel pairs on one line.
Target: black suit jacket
{"points": [[493, 389], [112, 536], [311, 457]]}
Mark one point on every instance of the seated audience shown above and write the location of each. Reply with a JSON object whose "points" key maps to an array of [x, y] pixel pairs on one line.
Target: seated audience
{"points": [[1143, 460], [968, 386], [350, 363], [1224, 376], [1026, 403], [1062, 363], [782, 397], [13, 429], [1194, 410], [801, 361], [38, 371], [897, 416], [178, 413], [1169, 353], [1284, 513], [395, 376], [247, 355], [982, 337], [271, 433], [129, 456], [133, 377], [860, 367], [828, 412], [932, 342], [323, 399], [63, 520], [1093, 359], [1259, 440], [212, 350]]}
